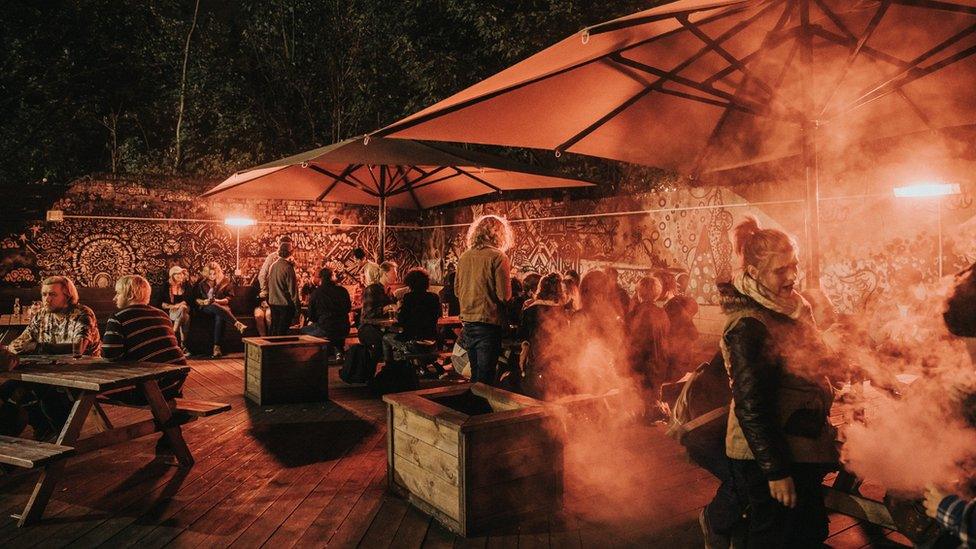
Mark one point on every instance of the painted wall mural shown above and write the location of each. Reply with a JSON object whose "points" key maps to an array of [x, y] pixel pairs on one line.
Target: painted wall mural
{"points": [[96, 252]]}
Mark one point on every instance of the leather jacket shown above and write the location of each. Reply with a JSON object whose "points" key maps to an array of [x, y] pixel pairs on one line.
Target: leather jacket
{"points": [[778, 418]]}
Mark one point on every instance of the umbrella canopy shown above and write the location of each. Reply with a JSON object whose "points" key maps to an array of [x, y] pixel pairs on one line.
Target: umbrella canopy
{"points": [[702, 85], [397, 173]]}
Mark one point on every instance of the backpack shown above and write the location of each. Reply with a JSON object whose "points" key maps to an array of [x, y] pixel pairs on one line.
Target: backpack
{"points": [[960, 313], [396, 376], [358, 367], [703, 397]]}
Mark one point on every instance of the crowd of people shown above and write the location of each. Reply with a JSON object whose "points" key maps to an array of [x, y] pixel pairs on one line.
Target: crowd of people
{"points": [[771, 454]]}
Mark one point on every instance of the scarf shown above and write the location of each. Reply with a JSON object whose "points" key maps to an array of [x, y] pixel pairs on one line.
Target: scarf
{"points": [[793, 305]]}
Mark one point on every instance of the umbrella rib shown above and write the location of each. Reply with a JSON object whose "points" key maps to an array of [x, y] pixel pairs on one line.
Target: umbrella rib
{"points": [[478, 179], [659, 83], [913, 72], [345, 173], [867, 50], [852, 56], [433, 181], [407, 124], [687, 82], [734, 61], [836, 20], [324, 171], [611, 26], [409, 187], [763, 49], [916, 109]]}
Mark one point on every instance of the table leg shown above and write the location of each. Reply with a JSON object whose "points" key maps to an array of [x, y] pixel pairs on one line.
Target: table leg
{"points": [[51, 473], [162, 413]]}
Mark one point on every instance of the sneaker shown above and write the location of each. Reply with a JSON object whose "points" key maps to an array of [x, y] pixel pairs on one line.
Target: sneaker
{"points": [[217, 353], [712, 540], [241, 327]]}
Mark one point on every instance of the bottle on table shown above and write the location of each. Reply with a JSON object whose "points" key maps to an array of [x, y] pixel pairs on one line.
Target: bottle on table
{"points": [[16, 306]]}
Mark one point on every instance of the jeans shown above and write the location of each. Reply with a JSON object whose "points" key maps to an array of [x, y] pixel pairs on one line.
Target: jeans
{"points": [[281, 317], [221, 316], [771, 525], [483, 342], [708, 452]]}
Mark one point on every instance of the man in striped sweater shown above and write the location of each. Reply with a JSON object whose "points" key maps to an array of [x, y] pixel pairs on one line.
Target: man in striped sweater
{"points": [[140, 333]]}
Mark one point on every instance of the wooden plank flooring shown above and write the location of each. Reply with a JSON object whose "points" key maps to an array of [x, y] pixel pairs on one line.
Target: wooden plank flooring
{"points": [[315, 475]]}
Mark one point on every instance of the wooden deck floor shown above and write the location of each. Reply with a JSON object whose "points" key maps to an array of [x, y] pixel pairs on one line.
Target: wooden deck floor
{"points": [[314, 475]]}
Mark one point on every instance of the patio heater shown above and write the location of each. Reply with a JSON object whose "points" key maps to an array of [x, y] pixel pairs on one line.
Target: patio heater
{"points": [[237, 223], [929, 190]]}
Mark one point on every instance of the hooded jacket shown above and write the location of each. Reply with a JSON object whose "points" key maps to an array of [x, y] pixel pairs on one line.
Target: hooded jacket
{"points": [[778, 418]]}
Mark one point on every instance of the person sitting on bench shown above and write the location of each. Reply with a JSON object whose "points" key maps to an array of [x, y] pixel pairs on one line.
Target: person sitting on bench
{"points": [[213, 296], [418, 316], [62, 326], [328, 309], [138, 332]]}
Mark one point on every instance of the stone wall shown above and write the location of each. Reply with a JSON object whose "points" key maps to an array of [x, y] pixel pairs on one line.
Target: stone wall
{"points": [[145, 226]]}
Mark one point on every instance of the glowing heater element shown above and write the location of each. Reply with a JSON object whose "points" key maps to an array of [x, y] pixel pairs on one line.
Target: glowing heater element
{"points": [[240, 221], [927, 189]]}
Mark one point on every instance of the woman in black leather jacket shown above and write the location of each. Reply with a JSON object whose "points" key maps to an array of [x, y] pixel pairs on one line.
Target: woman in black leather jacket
{"points": [[778, 436]]}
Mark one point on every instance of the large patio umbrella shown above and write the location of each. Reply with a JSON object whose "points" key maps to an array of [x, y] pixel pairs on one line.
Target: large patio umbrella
{"points": [[702, 85], [389, 173]]}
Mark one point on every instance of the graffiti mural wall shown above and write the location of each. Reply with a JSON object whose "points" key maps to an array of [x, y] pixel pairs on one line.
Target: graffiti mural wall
{"points": [[155, 226]]}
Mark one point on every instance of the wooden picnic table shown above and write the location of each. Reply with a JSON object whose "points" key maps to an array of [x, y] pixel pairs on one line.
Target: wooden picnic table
{"points": [[12, 325], [85, 378]]}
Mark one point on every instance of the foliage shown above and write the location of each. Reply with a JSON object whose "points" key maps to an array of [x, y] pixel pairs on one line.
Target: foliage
{"points": [[93, 85]]}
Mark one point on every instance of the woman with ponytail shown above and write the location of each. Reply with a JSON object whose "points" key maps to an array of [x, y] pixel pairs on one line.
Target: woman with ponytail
{"points": [[778, 437]]}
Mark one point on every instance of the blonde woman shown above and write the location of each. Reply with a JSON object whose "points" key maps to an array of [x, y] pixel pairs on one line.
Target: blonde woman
{"points": [[778, 438], [213, 296], [174, 298], [483, 286], [376, 303]]}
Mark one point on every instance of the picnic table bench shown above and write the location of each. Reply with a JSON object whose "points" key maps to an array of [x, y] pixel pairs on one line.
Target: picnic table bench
{"points": [[85, 380]]}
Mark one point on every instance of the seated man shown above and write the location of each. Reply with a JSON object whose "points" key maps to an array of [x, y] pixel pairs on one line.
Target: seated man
{"points": [[140, 333], [59, 326], [60, 323], [328, 309]]}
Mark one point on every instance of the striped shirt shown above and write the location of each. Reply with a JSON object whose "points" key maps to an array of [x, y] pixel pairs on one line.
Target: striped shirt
{"points": [[956, 515], [140, 333]]}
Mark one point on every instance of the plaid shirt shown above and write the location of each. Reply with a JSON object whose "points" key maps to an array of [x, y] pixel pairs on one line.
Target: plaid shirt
{"points": [[956, 514], [78, 322]]}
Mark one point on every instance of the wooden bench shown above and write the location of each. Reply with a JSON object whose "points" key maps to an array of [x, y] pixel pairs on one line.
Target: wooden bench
{"points": [[22, 452], [192, 408]]}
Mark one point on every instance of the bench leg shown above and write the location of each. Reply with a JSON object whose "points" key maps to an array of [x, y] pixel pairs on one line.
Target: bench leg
{"points": [[162, 413], [51, 473]]}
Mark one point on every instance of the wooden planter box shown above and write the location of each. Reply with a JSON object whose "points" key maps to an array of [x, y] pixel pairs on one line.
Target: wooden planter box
{"points": [[473, 455], [285, 369]]}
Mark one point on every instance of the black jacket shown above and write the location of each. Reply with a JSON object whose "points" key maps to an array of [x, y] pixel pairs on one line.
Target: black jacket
{"points": [[782, 417], [328, 308]]}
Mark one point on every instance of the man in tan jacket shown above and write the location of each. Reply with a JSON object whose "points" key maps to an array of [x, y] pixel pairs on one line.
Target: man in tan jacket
{"points": [[484, 284]]}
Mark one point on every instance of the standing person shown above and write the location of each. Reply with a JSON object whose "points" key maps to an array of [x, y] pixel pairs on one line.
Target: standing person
{"points": [[283, 291], [483, 288], [213, 296], [778, 436], [618, 295], [542, 318], [328, 310], [263, 316], [174, 299], [648, 330]]}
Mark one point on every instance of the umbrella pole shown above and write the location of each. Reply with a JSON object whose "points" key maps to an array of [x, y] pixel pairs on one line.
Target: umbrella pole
{"points": [[811, 171], [381, 238]]}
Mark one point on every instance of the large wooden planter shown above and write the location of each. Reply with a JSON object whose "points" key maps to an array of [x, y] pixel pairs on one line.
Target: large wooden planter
{"points": [[473, 455], [285, 369]]}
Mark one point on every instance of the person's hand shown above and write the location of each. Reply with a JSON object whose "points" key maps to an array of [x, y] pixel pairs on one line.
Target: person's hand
{"points": [[783, 491], [8, 360], [933, 497]]}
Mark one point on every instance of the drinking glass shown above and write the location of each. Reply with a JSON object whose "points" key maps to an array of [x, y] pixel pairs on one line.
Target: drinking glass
{"points": [[78, 348], [445, 309]]}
